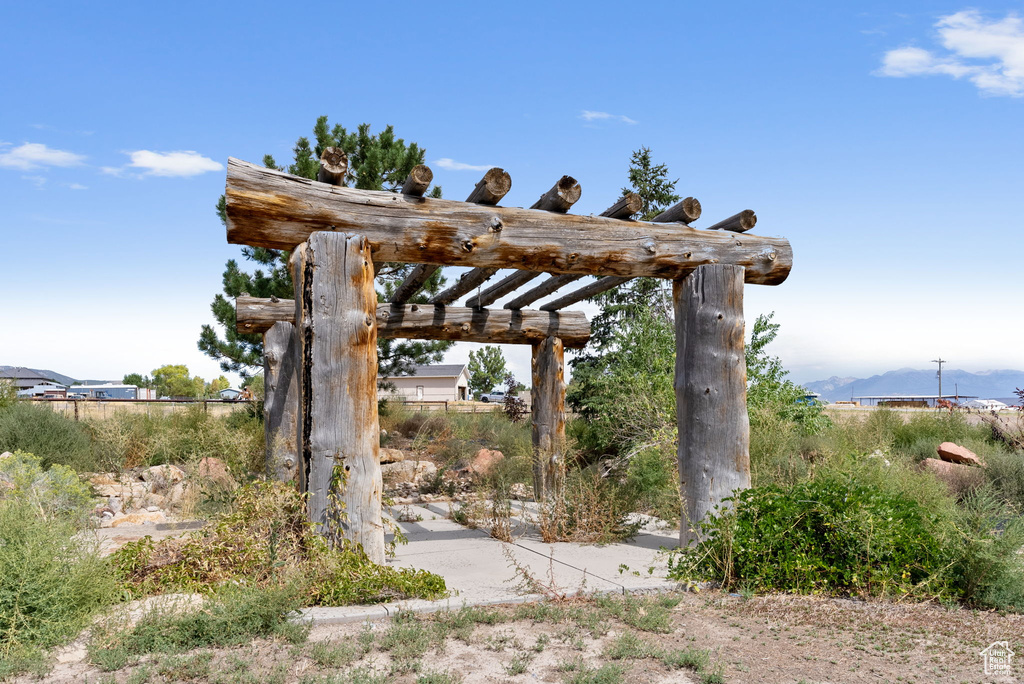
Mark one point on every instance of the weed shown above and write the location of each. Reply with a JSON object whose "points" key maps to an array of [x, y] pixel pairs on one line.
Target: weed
{"points": [[689, 659], [628, 646], [438, 678], [606, 674], [518, 664]]}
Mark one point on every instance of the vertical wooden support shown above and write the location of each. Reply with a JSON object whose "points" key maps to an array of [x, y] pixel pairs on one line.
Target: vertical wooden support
{"points": [[548, 413], [711, 391], [281, 401], [337, 328]]}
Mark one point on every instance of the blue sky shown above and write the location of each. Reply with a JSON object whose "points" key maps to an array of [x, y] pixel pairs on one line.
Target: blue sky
{"points": [[883, 139]]}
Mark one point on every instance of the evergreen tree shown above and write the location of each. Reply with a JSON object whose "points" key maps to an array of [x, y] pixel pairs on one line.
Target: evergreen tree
{"points": [[486, 369], [639, 296], [634, 304], [376, 162]]}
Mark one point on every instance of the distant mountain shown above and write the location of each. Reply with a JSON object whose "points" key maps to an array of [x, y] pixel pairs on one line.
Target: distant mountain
{"points": [[993, 384]]}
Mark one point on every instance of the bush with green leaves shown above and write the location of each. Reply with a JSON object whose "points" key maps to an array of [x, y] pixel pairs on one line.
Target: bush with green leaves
{"points": [[265, 541], [52, 579], [50, 436], [872, 530]]}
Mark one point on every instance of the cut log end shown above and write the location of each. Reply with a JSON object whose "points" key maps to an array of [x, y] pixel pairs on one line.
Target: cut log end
{"points": [[333, 166], [495, 184], [560, 198], [685, 211], [737, 223], [418, 181], [627, 206]]}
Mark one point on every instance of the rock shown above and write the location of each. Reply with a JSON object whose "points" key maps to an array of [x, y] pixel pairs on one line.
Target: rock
{"points": [[152, 509], [425, 469], [391, 455], [175, 493], [126, 492], [114, 504], [102, 479], [402, 471], [163, 476], [137, 518], [954, 453], [485, 460], [216, 471], [6, 454]]}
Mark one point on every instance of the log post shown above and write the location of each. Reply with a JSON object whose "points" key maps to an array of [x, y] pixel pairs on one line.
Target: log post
{"points": [[548, 414], [336, 319], [711, 392], [281, 402]]}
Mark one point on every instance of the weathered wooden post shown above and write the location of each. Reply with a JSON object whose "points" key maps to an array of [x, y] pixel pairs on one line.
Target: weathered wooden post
{"points": [[281, 402], [335, 312], [547, 397], [711, 391]]}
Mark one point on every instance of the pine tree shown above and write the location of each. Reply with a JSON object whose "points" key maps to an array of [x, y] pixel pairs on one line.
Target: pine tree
{"points": [[376, 162]]}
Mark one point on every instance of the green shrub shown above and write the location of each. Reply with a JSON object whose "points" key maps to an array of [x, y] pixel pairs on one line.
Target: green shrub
{"points": [[1005, 473], [652, 482], [52, 579], [50, 436], [265, 541], [828, 535], [50, 493], [988, 567]]}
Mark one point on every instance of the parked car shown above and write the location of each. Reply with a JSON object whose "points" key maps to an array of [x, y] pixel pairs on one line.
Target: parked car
{"points": [[496, 396]]}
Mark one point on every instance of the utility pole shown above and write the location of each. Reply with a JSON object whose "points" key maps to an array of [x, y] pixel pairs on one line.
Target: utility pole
{"points": [[940, 361]]}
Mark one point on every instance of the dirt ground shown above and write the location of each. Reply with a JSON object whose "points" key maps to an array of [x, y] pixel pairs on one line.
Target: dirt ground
{"points": [[648, 639]]}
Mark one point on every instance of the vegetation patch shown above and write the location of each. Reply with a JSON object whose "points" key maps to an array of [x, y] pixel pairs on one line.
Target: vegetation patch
{"points": [[265, 541]]}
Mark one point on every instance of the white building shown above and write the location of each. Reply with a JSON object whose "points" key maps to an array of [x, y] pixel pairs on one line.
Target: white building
{"points": [[986, 405], [441, 382]]}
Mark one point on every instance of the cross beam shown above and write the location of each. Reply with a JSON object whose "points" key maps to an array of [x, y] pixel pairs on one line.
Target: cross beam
{"points": [[427, 322], [268, 208]]}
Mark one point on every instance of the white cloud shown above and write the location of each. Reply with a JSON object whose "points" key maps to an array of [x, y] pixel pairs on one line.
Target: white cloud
{"points": [[38, 181], [78, 186], [180, 164], [452, 165], [588, 115], [36, 155], [989, 53]]}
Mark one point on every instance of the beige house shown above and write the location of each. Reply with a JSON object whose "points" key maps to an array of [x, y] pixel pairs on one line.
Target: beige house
{"points": [[442, 382]]}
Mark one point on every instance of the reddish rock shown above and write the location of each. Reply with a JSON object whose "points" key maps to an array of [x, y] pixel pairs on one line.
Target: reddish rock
{"points": [[954, 453], [485, 461], [216, 471]]}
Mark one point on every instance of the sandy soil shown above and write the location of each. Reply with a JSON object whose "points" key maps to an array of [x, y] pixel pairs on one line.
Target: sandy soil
{"points": [[762, 639]]}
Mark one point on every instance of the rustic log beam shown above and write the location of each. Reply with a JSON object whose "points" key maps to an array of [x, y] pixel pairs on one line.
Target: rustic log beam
{"points": [[418, 181], [501, 288], [711, 392], [685, 211], [625, 208], [281, 400], [543, 290], [339, 434], [426, 322], [586, 292], [491, 188], [333, 166], [560, 198], [419, 275], [469, 281], [547, 397], [737, 223], [267, 208]]}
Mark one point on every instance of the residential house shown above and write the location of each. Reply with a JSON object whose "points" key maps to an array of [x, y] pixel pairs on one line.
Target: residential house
{"points": [[440, 382]]}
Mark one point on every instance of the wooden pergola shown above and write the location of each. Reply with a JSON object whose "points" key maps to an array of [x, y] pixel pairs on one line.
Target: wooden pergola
{"points": [[320, 348]]}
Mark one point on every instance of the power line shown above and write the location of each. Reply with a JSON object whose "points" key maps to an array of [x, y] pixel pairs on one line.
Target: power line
{"points": [[940, 361]]}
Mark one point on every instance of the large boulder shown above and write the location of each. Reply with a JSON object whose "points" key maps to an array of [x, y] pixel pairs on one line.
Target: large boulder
{"points": [[485, 461], [163, 476], [954, 453]]}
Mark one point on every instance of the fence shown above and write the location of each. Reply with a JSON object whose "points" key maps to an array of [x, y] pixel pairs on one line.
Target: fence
{"points": [[80, 409]]}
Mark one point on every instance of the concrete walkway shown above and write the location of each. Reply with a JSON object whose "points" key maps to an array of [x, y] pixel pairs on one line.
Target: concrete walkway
{"points": [[480, 570]]}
